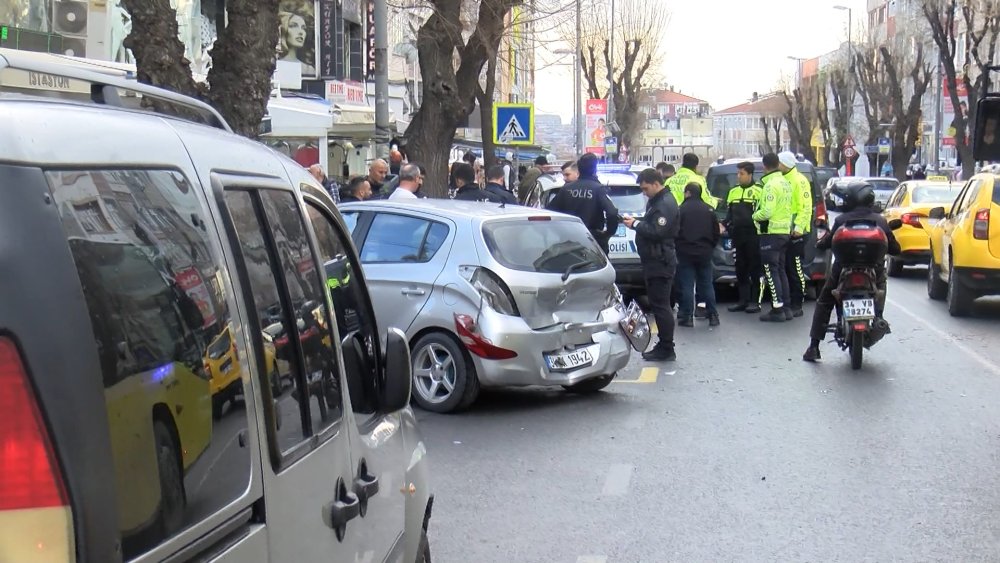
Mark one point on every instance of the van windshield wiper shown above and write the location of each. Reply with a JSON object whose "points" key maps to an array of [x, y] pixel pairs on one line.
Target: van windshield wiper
{"points": [[575, 267]]}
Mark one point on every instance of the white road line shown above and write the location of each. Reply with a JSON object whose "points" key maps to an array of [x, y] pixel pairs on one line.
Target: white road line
{"points": [[591, 559], [982, 360], [619, 477]]}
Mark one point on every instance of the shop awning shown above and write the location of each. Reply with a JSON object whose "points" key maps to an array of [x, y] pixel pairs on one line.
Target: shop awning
{"points": [[298, 117], [351, 114]]}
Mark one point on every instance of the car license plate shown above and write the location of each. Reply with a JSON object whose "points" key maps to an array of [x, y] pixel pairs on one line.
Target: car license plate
{"points": [[568, 361], [859, 309], [621, 231]]}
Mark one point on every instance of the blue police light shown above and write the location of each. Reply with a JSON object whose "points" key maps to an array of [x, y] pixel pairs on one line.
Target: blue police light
{"points": [[613, 168]]}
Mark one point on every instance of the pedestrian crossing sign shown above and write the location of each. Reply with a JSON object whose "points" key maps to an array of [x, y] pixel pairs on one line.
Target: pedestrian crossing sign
{"points": [[513, 124]]}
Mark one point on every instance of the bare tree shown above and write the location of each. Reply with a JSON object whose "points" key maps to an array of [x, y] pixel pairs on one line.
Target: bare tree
{"points": [[843, 113], [638, 40], [873, 88], [906, 129], [981, 22], [800, 117], [239, 83], [451, 66]]}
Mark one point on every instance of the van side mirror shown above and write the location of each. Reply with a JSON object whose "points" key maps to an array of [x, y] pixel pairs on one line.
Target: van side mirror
{"points": [[398, 382], [986, 136], [936, 213]]}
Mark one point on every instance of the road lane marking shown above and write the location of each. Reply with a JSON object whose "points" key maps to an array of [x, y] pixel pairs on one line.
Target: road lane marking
{"points": [[647, 375], [617, 482], [591, 559], [990, 366]]}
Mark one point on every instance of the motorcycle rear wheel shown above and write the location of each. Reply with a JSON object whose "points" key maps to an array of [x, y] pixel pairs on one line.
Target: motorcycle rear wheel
{"points": [[857, 348]]}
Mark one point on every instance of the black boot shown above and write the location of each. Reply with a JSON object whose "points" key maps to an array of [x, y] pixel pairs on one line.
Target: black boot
{"points": [[812, 353], [686, 322], [713, 319], [775, 315], [660, 353], [741, 306], [753, 308]]}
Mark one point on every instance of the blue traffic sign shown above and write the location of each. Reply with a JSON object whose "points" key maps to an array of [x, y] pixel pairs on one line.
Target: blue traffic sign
{"points": [[513, 124]]}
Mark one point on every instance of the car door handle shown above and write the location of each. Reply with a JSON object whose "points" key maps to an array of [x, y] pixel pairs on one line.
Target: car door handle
{"points": [[365, 487], [413, 292], [343, 509]]}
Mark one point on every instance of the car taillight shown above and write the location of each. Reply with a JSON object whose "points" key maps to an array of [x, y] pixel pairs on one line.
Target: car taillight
{"points": [[494, 292], [981, 227], [478, 344], [36, 522], [911, 219]]}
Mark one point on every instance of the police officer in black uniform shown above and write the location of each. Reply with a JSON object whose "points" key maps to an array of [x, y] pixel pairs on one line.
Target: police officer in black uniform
{"points": [[742, 201], [467, 189], [654, 239], [588, 199]]}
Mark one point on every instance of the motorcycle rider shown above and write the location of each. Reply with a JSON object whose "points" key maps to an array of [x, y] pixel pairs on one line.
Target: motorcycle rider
{"points": [[859, 199]]}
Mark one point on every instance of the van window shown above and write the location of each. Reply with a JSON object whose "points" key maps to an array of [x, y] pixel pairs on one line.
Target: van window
{"points": [[293, 333], [162, 329], [352, 309]]}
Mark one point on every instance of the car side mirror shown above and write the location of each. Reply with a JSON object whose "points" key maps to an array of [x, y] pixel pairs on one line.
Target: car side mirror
{"points": [[879, 206], [986, 136], [936, 213], [895, 224], [395, 392]]}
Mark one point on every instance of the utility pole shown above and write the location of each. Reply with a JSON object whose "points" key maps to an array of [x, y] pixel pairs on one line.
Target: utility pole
{"points": [[577, 101], [611, 71], [936, 149], [381, 78]]}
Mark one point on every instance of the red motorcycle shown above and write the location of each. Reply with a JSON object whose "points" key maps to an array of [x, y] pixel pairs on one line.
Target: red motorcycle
{"points": [[859, 247]]}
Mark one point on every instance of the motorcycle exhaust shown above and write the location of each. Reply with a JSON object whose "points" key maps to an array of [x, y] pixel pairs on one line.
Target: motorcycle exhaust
{"points": [[879, 328]]}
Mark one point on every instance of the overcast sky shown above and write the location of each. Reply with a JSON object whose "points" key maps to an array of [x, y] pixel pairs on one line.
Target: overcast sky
{"points": [[722, 51]]}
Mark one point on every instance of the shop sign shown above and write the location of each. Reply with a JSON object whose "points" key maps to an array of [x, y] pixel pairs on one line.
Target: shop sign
{"points": [[327, 38], [370, 42], [339, 92]]}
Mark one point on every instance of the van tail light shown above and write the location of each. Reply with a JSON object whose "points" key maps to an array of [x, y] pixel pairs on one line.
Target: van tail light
{"points": [[478, 344], [911, 219], [36, 522], [981, 227], [822, 220]]}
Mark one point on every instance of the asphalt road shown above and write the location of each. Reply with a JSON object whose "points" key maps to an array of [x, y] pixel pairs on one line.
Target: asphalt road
{"points": [[740, 451]]}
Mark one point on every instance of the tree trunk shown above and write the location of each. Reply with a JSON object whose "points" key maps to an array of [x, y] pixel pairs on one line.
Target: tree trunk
{"points": [[243, 62], [243, 59], [485, 98]]}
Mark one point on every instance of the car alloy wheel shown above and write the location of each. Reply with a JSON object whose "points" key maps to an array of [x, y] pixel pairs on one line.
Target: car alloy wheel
{"points": [[434, 373]]}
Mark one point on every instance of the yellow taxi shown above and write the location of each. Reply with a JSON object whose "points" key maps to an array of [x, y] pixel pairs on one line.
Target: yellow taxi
{"points": [[223, 366], [911, 203], [965, 244]]}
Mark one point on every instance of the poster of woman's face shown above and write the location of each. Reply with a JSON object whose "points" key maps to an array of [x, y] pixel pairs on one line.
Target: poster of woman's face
{"points": [[297, 34]]}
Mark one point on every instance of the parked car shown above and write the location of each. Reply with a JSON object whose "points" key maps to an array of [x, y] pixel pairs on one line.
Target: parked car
{"points": [[911, 203], [884, 187], [491, 295], [159, 242], [722, 177], [624, 192], [965, 244]]}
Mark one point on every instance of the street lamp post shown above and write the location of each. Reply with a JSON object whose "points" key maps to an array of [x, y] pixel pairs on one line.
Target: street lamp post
{"points": [[798, 72], [850, 60]]}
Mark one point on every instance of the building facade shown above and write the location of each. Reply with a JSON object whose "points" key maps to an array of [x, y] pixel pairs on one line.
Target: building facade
{"points": [[753, 128], [673, 124]]}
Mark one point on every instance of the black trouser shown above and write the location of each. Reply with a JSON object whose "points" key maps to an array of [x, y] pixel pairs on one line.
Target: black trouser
{"points": [[659, 282], [603, 240], [772, 256], [825, 303], [794, 255], [747, 247]]}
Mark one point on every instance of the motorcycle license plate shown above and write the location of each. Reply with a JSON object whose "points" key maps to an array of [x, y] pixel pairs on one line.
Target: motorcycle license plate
{"points": [[859, 309]]}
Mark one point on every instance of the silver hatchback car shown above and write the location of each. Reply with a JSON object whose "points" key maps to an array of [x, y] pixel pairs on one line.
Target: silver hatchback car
{"points": [[491, 296]]}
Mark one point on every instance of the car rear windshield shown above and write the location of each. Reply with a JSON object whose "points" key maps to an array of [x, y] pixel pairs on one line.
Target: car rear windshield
{"points": [[884, 185], [935, 194], [628, 199], [544, 245]]}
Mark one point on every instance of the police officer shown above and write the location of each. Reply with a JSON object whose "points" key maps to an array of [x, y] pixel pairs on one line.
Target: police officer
{"points": [[687, 174], [467, 189], [774, 224], [588, 199], [654, 240], [495, 176], [741, 203], [802, 216]]}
